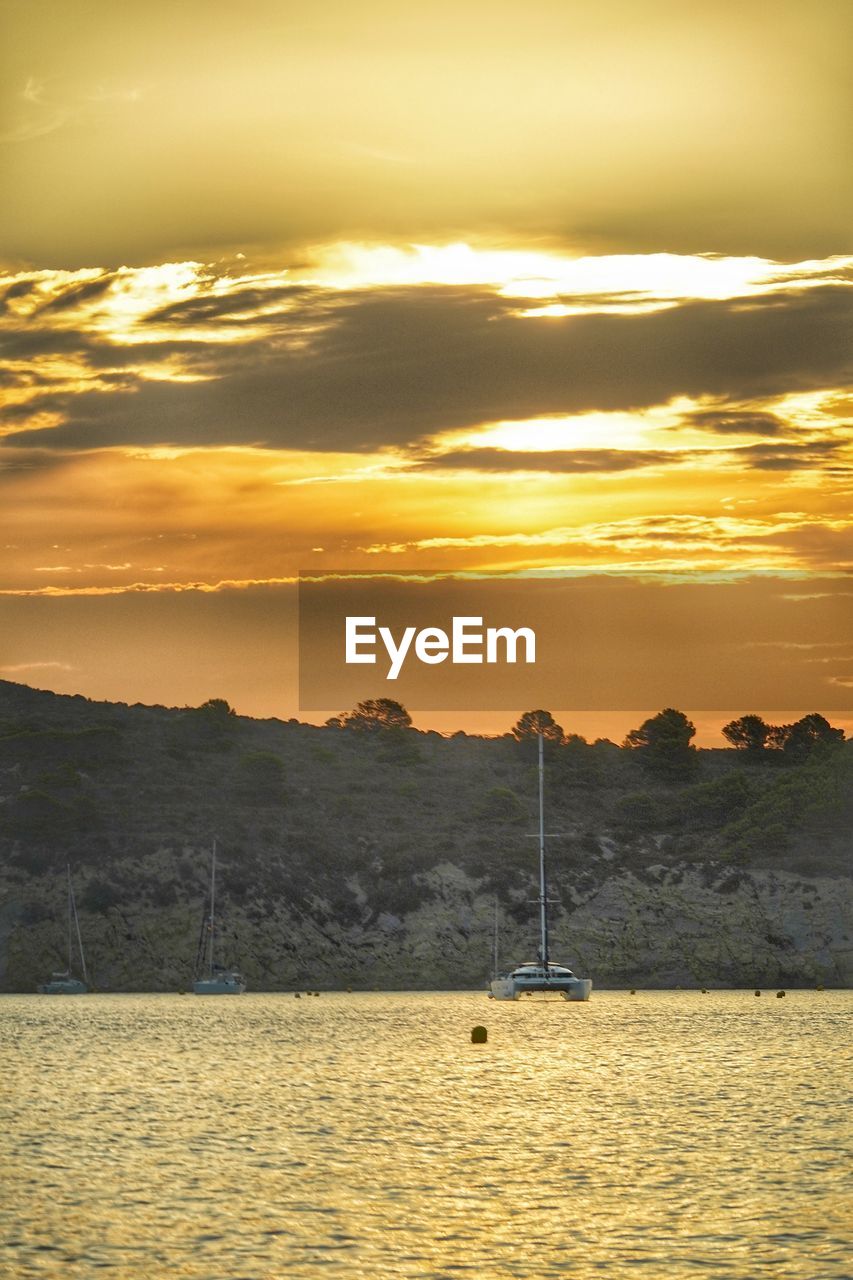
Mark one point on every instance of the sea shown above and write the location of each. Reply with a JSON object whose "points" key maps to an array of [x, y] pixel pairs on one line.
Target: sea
{"points": [[667, 1134]]}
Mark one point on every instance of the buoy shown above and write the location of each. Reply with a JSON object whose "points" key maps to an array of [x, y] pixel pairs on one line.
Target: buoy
{"points": [[819, 987], [633, 991], [297, 996], [758, 993], [704, 991], [779, 995], [479, 1035]]}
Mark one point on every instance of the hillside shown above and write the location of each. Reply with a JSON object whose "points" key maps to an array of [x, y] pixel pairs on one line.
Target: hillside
{"points": [[374, 859]]}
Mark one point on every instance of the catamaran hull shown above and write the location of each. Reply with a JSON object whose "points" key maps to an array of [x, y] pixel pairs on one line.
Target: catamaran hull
{"points": [[214, 988], [508, 989]]}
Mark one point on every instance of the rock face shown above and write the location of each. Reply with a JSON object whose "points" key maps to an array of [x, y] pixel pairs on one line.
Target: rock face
{"points": [[671, 926], [376, 859], [745, 928]]}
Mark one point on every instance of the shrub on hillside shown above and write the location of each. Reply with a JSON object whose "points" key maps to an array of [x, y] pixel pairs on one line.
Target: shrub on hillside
{"points": [[636, 814], [712, 805], [99, 896], [501, 804], [260, 778], [814, 792], [34, 815]]}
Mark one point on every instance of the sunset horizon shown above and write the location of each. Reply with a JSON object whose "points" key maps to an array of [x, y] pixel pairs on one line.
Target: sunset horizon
{"points": [[568, 330]]}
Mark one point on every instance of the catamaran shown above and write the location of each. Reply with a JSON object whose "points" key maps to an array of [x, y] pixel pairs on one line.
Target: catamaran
{"points": [[65, 984], [220, 981], [542, 976]]}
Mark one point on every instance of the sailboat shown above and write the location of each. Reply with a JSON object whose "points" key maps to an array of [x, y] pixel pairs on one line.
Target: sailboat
{"points": [[65, 984], [220, 981], [542, 976]]}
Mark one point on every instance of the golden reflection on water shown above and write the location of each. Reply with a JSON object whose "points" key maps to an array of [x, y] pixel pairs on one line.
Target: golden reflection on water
{"points": [[670, 1134]]}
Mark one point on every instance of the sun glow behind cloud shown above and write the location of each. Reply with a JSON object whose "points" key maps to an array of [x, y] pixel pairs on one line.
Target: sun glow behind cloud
{"points": [[541, 274], [648, 429], [118, 303], [108, 337]]}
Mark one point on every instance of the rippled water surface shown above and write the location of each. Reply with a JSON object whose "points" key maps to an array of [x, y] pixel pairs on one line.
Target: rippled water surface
{"points": [[666, 1134]]}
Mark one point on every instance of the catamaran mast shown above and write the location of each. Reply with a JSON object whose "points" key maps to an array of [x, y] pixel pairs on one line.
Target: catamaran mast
{"points": [[544, 958]]}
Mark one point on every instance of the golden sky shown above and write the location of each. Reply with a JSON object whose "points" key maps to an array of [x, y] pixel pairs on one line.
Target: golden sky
{"points": [[457, 287]]}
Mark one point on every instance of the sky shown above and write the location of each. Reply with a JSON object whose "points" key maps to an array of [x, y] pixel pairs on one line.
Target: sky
{"points": [[543, 289]]}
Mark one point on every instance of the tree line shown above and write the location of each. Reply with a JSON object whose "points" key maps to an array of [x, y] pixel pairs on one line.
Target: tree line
{"points": [[663, 743]]}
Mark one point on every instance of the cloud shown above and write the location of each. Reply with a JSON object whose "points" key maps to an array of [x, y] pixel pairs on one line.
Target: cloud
{"points": [[33, 90], [50, 106], [85, 292], [32, 342], [18, 289], [816, 542], [33, 461], [789, 457], [153, 588], [762, 457], [565, 461], [25, 130], [242, 302], [363, 370], [737, 422], [716, 537], [18, 668]]}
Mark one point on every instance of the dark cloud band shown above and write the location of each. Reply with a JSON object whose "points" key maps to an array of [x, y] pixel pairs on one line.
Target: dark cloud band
{"points": [[360, 371]]}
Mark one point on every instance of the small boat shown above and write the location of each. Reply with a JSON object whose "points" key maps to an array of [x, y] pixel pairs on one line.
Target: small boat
{"points": [[65, 983], [220, 980], [541, 976]]}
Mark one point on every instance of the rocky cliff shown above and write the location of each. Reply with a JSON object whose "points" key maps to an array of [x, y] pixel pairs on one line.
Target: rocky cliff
{"points": [[359, 861]]}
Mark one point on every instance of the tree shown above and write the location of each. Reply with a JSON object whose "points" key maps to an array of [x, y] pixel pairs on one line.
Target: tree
{"points": [[210, 726], [663, 744], [749, 734], [216, 709], [372, 716], [532, 723], [797, 741]]}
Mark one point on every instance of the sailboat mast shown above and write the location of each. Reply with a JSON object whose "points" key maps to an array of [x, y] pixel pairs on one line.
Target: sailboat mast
{"points": [[543, 886], [68, 873], [212, 902], [73, 907], [495, 942]]}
